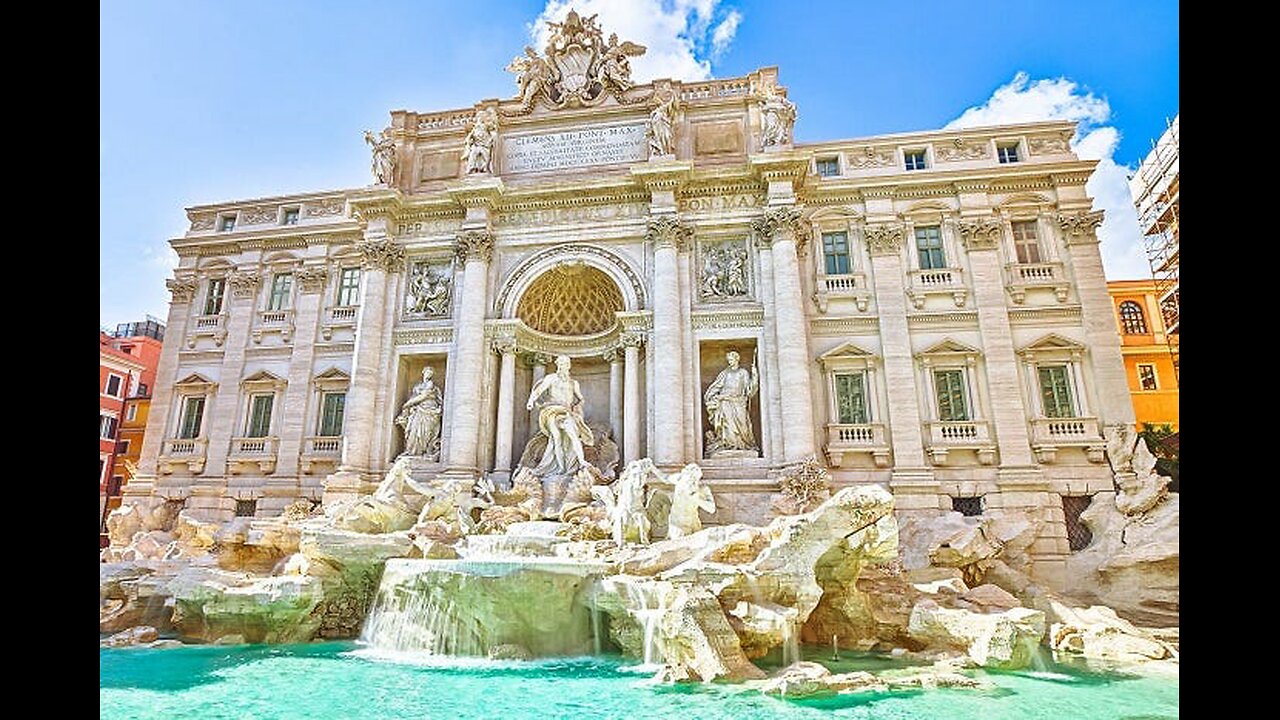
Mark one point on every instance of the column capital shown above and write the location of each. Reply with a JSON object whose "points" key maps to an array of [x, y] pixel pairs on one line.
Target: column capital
{"points": [[244, 283], [631, 339], [779, 223], [183, 289], [312, 279], [1080, 227], [474, 244], [384, 254], [504, 345], [612, 355], [667, 231], [884, 238], [979, 233]]}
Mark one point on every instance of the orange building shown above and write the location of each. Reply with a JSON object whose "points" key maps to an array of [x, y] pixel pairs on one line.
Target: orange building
{"points": [[134, 352], [1149, 364]]}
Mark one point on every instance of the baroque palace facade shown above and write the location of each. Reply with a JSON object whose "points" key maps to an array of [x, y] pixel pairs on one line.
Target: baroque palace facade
{"points": [[924, 310]]}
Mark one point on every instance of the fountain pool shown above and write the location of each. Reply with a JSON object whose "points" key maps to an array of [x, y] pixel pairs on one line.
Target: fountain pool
{"points": [[342, 680]]}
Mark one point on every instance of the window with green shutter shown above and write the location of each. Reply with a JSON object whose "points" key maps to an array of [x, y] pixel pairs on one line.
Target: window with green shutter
{"points": [[1055, 391], [950, 388], [260, 415], [332, 406], [192, 412], [851, 399], [835, 248]]}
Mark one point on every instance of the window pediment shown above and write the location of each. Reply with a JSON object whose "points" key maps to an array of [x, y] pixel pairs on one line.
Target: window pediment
{"points": [[195, 383], [847, 357], [332, 379], [949, 349], [263, 380], [1052, 346]]}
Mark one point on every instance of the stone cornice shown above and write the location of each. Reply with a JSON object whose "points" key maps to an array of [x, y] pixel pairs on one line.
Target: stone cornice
{"points": [[790, 165], [662, 175], [476, 244], [476, 191], [440, 335], [669, 231], [724, 319]]}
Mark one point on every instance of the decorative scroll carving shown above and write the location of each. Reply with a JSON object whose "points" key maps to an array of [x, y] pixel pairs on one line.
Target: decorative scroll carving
{"points": [[201, 223], [325, 208], [244, 283], [183, 289], [667, 231], [961, 149], [579, 68], [430, 289], [884, 238], [871, 157], [312, 279], [384, 255], [1049, 144], [475, 245], [724, 270], [1080, 227], [980, 234]]}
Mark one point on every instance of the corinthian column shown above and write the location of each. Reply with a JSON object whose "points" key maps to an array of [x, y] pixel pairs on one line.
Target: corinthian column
{"points": [[782, 228], [506, 405], [475, 248], [669, 236], [981, 238], [382, 257], [631, 400]]}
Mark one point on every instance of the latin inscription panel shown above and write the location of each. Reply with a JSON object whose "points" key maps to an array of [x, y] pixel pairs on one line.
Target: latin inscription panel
{"points": [[574, 148]]}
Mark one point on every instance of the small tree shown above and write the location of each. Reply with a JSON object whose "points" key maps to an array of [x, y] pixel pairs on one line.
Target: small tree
{"points": [[1167, 453]]}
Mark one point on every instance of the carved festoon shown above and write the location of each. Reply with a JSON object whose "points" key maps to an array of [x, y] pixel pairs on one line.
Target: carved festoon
{"points": [[960, 149], [579, 68]]}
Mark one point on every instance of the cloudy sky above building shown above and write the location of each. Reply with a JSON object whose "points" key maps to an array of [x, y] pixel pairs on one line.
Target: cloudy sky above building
{"points": [[218, 100]]}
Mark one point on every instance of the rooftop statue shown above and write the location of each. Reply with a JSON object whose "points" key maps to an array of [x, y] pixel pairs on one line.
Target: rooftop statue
{"points": [[579, 68]]}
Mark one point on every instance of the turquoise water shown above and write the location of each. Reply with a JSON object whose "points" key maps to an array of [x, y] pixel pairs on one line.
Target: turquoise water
{"points": [[335, 680]]}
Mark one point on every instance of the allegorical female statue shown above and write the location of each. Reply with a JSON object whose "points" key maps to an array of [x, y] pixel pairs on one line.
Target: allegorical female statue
{"points": [[726, 401], [477, 146], [383, 164], [420, 418]]}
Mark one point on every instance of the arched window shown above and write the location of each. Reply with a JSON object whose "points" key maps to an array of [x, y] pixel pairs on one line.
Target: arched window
{"points": [[1131, 318]]}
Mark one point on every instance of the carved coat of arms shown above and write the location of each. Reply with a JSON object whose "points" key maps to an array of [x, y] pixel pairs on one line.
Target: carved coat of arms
{"points": [[579, 68]]}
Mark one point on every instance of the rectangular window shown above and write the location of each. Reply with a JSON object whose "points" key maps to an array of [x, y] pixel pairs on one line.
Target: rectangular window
{"points": [[828, 167], [929, 245], [951, 404], [913, 159], [1147, 377], [332, 407], [851, 399], [227, 223], [281, 289], [114, 383], [260, 415], [246, 508], [1025, 242], [192, 413], [1008, 153], [1055, 391], [131, 413], [142, 390], [122, 447], [213, 296], [835, 247], [290, 216], [348, 286], [106, 427]]}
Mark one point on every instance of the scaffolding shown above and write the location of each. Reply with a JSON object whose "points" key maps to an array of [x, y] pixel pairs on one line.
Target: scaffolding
{"points": [[1155, 195]]}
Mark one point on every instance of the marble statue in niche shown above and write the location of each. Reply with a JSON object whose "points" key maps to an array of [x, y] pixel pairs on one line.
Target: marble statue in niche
{"points": [[420, 418], [728, 414]]}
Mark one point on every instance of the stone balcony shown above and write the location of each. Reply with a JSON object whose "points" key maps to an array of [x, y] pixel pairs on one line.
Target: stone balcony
{"points": [[1021, 277], [944, 436], [852, 286], [188, 452], [338, 317], [847, 438], [214, 326], [941, 281], [321, 450], [258, 453], [274, 321], [1050, 434]]}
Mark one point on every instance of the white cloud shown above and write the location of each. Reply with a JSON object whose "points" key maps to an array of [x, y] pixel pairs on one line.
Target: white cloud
{"points": [[1024, 100], [678, 33]]}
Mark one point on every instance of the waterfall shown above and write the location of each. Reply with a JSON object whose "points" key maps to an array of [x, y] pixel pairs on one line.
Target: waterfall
{"points": [[648, 605], [790, 643]]}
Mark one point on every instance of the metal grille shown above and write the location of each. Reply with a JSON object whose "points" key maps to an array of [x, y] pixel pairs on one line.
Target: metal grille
{"points": [[969, 506], [246, 508], [1078, 535]]}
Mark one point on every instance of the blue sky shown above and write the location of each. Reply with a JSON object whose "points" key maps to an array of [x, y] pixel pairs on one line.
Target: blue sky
{"points": [[208, 101]]}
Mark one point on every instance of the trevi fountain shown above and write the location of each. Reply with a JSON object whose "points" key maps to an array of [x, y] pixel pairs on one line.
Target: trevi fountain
{"points": [[600, 580]]}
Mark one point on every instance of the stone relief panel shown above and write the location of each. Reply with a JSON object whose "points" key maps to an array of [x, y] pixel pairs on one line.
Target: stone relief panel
{"points": [[961, 149], [871, 157], [723, 271], [429, 291], [717, 138]]}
